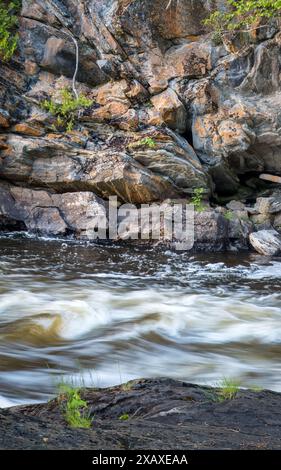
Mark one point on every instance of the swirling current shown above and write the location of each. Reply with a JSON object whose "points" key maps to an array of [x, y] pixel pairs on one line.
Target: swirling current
{"points": [[101, 315]]}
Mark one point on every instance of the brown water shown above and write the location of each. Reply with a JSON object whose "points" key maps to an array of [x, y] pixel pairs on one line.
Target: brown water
{"points": [[104, 315]]}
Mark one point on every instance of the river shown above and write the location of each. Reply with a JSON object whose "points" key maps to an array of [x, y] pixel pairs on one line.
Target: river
{"points": [[101, 315]]}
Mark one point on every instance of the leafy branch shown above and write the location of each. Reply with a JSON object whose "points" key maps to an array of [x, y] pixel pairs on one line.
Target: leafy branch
{"points": [[8, 23], [244, 15]]}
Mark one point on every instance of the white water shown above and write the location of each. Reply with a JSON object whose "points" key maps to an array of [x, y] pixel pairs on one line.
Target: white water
{"points": [[102, 316]]}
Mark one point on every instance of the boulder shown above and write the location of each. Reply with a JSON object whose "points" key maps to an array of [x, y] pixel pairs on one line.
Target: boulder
{"points": [[262, 221], [239, 229], [263, 205], [171, 110], [45, 213], [211, 230], [266, 242], [235, 206]]}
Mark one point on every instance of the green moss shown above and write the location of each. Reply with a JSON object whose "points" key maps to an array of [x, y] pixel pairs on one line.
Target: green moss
{"points": [[8, 23]]}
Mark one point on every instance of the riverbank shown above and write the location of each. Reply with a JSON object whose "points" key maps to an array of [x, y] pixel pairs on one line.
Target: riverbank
{"points": [[172, 223], [151, 414], [180, 117]]}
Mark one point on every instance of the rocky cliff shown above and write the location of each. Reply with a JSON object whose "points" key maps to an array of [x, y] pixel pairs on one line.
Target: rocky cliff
{"points": [[172, 110]]}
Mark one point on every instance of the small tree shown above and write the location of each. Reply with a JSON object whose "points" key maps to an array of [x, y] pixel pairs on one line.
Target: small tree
{"points": [[243, 15]]}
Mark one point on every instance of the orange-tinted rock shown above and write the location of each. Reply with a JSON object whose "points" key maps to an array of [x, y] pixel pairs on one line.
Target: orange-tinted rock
{"points": [[31, 68], [190, 60], [271, 178], [171, 109], [112, 100], [4, 118], [26, 129]]}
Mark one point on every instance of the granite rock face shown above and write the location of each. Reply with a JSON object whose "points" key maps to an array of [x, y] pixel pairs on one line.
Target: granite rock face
{"points": [[172, 111], [266, 242]]}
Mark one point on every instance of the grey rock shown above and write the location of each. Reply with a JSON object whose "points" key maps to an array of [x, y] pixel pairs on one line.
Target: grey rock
{"points": [[138, 174], [235, 206], [46, 213], [277, 222], [211, 230], [266, 242], [263, 205]]}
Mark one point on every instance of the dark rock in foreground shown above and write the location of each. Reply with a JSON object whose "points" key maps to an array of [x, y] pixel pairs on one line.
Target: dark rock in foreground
{"points": [[163, 414]]}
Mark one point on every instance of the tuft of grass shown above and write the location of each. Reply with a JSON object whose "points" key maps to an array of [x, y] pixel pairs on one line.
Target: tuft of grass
{"points": [[256, 388], [126, 387], [75, 410], [228, 389], [197, 198], [124, 417]]}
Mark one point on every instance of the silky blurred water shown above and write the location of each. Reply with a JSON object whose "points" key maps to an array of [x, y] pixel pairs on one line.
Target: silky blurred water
{"points": [[103, 315]]}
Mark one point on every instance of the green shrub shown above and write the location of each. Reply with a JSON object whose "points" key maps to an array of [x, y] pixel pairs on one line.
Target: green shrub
{"points": [[75, 410], [243, 14], [8, 22], [124, 417], [67, 111], [147, 142], [196, 199]]}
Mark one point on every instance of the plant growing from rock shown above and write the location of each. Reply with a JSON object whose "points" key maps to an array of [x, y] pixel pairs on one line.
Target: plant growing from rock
{"points": [[228, 389], [228, 215], [126, 387], [8, 22], [243, 15], [74, 409], [225, 389], [67, 111], [148, 142], [197, 198]]}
